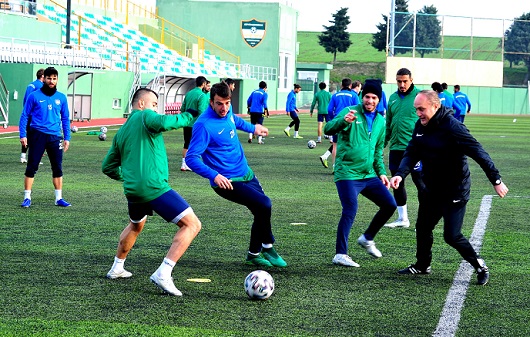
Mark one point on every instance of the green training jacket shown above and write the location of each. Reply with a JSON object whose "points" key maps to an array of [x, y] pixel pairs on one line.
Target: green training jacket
{"points": [[359, 152], [400, 120], [138, 157], [321, 99]]}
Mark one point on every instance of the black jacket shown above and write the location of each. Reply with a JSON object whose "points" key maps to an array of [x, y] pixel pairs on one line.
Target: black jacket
{"points": [[442, 146]]}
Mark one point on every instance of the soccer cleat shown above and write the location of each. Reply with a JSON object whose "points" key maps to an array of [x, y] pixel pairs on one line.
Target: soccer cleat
{"points": [[250, 140], [166, 285], [62, 203], [287, 133], [261, 142], [483, 273], [324, 161], [298, 137], [398, 223], [257, 260], [273, 257], [23, 160], [319, 141], [369, 245], [121, 274], [184, 167], [344, 260], [413, 270], [26, 203]]}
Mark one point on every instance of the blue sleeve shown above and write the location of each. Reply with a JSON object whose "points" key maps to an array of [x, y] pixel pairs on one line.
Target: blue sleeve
{"points": [[200, 138], [29, 90], [23, 123], [266, 97], [331, 106], [288, 103], [468, 103], [65, 119], [243, 125], [249, 100]]}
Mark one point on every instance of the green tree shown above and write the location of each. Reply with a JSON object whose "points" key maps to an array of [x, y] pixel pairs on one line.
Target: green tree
{"points": [[428, 31], [517, 42], [335, 38], [403, 30]]}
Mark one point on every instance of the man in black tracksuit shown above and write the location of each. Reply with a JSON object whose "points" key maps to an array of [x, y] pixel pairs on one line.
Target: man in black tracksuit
{"points": [[443, 144]]}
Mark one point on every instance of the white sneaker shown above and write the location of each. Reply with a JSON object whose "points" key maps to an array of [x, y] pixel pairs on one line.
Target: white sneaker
{"points": [[166, 285], [121, 274], [184, 167], [23, 160], [344, 260], [398, 223], [369, 245]]}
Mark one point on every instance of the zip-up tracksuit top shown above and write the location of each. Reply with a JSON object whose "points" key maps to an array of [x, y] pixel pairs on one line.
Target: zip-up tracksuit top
{"points": [[359, 152], [443, 146], [400, 119]]}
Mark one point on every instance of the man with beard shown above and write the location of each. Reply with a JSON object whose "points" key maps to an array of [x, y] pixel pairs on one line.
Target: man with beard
{"points": [[49, 131]]}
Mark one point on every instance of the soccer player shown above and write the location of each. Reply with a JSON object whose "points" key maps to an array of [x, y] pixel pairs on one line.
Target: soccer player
{"points": [[344, 98], [33, 86], [215, 153], [400, 119], [461, 105], [360, 170], [257, 107], [138, 158], [321, 100], [194, 101], [292, 111], [49, 130], [443, 144]]}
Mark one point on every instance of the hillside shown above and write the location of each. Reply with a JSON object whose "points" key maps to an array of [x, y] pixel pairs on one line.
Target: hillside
{"points": [[362, 61]]}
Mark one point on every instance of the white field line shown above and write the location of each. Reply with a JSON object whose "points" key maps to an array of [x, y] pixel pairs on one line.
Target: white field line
{"points": [[454, 302]]}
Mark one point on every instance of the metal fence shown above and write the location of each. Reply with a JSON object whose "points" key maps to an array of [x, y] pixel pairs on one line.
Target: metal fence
{"points": [[455, 37]]}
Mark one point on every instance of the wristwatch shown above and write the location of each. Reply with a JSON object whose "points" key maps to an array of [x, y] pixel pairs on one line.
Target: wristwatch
{"points": [[498, 181]]}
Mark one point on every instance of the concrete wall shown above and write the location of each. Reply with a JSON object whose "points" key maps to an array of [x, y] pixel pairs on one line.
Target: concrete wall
{"points": [[463, 72]]}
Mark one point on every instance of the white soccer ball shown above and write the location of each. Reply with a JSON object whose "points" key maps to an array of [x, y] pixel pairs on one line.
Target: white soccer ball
{"points": [[311, 144], [102, 136], [259, 285], [74, 129], [103, 129]]}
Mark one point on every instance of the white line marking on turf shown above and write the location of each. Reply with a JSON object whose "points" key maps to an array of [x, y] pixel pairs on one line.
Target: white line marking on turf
{"points": [[448, 323]]}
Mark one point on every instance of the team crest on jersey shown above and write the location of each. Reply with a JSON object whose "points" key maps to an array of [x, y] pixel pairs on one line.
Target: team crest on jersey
{"points": [[58, 101], [253, 31]]}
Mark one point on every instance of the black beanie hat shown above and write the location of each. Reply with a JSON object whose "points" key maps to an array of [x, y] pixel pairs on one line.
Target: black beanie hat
{"points": [[373, 86]]}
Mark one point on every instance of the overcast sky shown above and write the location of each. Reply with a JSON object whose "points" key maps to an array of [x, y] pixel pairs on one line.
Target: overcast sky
{"points": [[365, 15]]}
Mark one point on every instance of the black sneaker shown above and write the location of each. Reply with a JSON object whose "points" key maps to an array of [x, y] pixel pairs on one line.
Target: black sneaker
{"points": [[483, 273], [412, 269]]}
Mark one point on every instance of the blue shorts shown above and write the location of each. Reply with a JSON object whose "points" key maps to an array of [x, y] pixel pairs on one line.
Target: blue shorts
{"points": [[322, 117], [170, 206], [293, 114]]}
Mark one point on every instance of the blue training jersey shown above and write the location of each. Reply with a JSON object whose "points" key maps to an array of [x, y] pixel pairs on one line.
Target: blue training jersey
{"points": [[342, 99], [215, 141], [257, 101], [49, 114], [33, 86], [461, 102], [290, 105]]}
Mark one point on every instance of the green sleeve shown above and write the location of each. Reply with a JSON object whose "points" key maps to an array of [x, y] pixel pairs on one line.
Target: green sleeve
{"points": [[160, 123], [313, 103], [203, 103], [338, 123], [111, 165], [379, 164]]}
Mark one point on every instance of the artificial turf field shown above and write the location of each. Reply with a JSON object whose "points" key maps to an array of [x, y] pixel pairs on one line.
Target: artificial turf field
{"points": [[53, 260]]}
